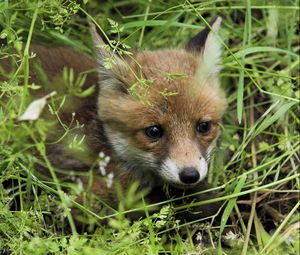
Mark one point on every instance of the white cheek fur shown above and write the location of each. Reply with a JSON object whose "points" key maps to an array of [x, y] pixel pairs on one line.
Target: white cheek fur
{"points": [[202, 168], [133, 156], [169, 171]]}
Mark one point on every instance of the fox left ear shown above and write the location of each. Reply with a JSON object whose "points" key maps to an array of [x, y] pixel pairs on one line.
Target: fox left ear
{"points": [[111, 68], [207, 44]]}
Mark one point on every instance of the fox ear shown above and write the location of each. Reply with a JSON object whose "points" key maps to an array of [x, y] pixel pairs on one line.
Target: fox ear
{"points": [[208, 45], [111, 68]]}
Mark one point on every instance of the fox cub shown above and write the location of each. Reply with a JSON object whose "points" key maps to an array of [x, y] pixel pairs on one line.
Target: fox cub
{"points": [[153, 115]]}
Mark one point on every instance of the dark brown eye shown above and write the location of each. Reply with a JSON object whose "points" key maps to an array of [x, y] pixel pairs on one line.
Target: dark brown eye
{"points": [[154, 132], [203, 127]]}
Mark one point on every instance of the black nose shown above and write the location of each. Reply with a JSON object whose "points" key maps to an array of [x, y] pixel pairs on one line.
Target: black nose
{"points": [[189, 175]]}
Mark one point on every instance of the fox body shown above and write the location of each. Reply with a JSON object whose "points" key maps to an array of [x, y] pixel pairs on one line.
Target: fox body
{"points": [[155, 113]]}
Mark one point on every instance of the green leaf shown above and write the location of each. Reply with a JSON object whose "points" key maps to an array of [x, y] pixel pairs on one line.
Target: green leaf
{"points": [[268, 121]]}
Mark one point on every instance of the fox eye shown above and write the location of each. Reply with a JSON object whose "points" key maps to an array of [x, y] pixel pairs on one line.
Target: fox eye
{"points": [[203, 127], [154, 131]]}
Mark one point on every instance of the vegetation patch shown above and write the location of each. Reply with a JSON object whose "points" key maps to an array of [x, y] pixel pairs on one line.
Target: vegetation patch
{"points": [[255, 167]]}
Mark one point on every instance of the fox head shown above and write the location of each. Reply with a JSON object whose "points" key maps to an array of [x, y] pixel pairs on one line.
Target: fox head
{"points": [[161, 109]]}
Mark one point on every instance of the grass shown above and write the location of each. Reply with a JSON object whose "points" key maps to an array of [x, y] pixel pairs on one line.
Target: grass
{"points": [[256, 165]]}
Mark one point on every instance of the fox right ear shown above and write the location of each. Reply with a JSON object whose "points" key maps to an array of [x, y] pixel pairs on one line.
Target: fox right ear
{"points": [[111, 68], [197, 43], [208, 45]]}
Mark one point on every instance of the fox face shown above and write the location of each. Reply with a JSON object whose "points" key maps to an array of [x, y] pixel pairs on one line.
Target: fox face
{"points": [[161, 109]]}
